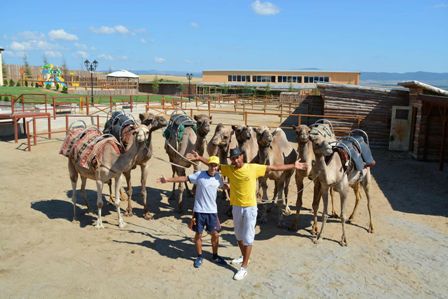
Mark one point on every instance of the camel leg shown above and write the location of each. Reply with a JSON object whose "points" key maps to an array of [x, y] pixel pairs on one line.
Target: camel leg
{"points": [[99, 203], [333, 211], [358, 197], [84, 193], [121, 222], [282, 206], [286, 191], [324, 213], [262, 189], [343, 193], [366, 186], [127, 176], [73, 179], [299, 184], [145, 172], [316, 201], [109, 183]]}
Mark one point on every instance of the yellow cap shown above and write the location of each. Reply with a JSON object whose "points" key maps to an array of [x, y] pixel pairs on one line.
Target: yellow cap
{"points": [[213, 160]]}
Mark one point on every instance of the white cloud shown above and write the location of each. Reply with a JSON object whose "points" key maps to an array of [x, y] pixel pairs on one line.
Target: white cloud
{"points": [[111, 57], [111, 30], [62, 35], [159, 60], [194, 25], [264, 8], [16, 46], [30, 35], [53, 53], [143, 41], [82, 54], [441, 5]]}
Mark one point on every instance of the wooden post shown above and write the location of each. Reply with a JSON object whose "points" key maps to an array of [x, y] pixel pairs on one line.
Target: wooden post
{"points": [[13, 103], [281, 113], [54, 108], [110, 103], [27, 126], [97, 121], [66, 124], [34, 131], [87, 107], [49, 126], [16, 129], [46, 104], [245, 117], [131, 102], [208, 106]]}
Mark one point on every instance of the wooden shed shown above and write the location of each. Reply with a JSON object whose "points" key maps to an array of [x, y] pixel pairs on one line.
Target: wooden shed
{"points": [[429, 121], [372, 105]]}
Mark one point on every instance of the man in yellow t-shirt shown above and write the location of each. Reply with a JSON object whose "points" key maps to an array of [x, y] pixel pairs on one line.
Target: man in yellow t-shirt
{"points": [[243, 181]]}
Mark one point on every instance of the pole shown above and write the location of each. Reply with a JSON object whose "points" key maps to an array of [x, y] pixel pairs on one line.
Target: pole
{"points": [[91, 86]]}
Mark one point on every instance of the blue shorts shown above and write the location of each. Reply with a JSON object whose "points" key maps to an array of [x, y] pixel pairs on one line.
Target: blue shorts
{"points": [[208, 221]]}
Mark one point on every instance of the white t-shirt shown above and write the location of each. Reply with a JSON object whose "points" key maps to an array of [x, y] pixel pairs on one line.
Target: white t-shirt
{"points": [[206, 191]]}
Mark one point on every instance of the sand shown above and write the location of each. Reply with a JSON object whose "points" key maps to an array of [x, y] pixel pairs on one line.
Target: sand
{"points": [[43, 254]]}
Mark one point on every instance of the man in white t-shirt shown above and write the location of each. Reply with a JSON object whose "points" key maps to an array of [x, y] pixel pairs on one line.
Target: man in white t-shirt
{"points": [[205, 210]]}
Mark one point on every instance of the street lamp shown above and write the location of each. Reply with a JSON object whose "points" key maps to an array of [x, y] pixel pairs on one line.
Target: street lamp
{"points": [[189, 76], [91, 67]]}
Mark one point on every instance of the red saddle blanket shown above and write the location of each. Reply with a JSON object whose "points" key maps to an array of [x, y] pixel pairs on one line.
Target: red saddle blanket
{"points": [[86, 145]]}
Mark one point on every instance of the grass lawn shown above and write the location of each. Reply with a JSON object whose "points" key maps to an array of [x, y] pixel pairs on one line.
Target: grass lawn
{"points": [[32, 94]]}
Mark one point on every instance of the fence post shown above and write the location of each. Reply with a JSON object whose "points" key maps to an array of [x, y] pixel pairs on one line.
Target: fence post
{"points": [[245, 117], [281, 113], [208, 106], [110, 103], [46, 104], [54, 108], [97, 121], [87, 107], [131, 102], [66, 124], [49, 126], [27, 126], [13, 103], [34, 131]]}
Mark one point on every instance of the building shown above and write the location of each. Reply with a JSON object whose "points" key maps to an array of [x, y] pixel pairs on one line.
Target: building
{"points": [[1, 67], [277, 80]]}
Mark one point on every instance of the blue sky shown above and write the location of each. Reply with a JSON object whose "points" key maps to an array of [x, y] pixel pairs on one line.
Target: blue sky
{"points": [[196, 35]]}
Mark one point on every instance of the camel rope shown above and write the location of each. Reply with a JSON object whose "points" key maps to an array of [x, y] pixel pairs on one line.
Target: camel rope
{"points": [[180, 155], [177, 165]]}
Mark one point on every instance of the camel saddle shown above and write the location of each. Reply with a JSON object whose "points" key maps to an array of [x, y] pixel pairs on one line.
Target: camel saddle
{"points": [[177, 124], [355, 148], [117, 123]]}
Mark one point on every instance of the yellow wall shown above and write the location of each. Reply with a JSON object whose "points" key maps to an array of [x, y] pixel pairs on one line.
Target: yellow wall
{"points": [[335, 77]]}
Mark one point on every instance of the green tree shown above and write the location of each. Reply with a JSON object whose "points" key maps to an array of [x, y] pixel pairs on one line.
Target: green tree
{"points": [[155, 85], [27, 67], [5, 71], [11, 82]]}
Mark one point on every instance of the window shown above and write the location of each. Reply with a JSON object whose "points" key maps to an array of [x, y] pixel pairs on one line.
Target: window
{"points": [[229, 78]]}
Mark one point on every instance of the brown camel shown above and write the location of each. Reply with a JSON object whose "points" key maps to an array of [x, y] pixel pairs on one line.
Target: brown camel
{"points": [[102, 164], [178, 146], [274, 149], [332, 173]]}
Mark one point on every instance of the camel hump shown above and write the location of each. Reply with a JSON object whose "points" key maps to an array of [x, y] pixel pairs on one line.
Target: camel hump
{"points": [[177, 124]]}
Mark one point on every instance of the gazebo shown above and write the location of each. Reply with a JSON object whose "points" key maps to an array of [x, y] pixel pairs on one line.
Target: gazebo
{"points": [[123, 79]]}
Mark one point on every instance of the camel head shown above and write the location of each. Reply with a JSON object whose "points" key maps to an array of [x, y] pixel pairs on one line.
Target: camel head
{"points": [[222, 136], [242, 133], [140, 133], [321, 140], [302, 133], [203, 123], [264, 136], [153, 122]]}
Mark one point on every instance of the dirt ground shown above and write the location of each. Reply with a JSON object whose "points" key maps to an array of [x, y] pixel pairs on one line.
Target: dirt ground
{"points": [[44, 254]]}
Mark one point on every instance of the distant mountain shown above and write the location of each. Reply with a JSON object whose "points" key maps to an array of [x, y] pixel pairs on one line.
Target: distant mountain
{"points": [[391, 79]]}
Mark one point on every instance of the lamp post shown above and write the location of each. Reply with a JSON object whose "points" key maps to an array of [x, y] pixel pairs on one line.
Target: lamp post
{"points": [[91, 67], [189, 76]]}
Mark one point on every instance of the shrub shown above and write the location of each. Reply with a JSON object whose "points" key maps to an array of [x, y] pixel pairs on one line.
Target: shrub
{"points": [[57, 86], [48, 86], [11, 82], [26, 83], [5, 82], [64, 89], [18, 83]]}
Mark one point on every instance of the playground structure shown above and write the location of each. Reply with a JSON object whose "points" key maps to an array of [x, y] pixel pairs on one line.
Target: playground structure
{"points": [[51, 76]]}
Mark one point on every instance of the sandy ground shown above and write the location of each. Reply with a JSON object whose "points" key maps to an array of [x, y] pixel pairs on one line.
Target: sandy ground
{"points": [[44, 254]]}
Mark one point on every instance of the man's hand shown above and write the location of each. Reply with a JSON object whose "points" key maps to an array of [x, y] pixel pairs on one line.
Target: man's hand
{"points": [[192, 223], [162, 180], [193, 156], [226, 186], [300, 166]]}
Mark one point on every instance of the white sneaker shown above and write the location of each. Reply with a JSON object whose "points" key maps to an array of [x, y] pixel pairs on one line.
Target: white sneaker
{"points": [[237, 261], [242, 272]]}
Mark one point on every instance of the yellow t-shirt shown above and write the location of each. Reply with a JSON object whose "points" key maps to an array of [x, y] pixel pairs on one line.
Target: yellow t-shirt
{"points": [[243, 183]]}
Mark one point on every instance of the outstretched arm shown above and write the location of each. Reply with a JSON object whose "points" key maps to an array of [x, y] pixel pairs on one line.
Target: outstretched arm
{"points": [[297, 165], [194, 156], [177, 179]]}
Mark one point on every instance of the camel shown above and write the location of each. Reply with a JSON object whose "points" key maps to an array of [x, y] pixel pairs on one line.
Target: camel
{"points": [[306, 154], [331, 173], [102, 164], [190, 140], [154, 123], [221, 142], [274, 148], [247, 141]]}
